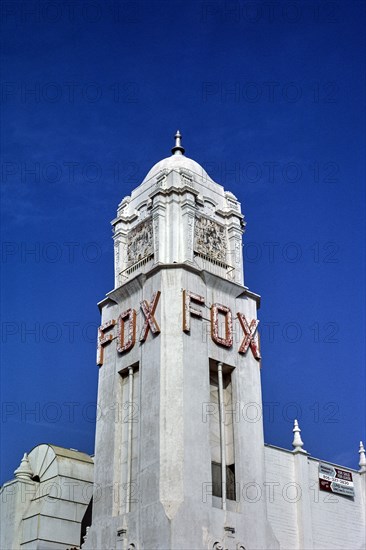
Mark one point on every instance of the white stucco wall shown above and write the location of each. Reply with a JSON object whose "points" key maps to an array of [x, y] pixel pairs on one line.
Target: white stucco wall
{"points": [[338, 522], [329, 521], [280, 475]]}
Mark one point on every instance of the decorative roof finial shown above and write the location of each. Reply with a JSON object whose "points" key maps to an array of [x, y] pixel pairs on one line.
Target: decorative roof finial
{"points": [[362, 463], [24, 470], [297, 442], [178, 149]]}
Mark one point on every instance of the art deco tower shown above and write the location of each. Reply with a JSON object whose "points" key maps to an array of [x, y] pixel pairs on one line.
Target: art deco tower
{"points": [[179, 440]]}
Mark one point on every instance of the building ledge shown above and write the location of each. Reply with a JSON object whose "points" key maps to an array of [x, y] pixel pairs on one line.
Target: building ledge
{"points": [[233, 287]]}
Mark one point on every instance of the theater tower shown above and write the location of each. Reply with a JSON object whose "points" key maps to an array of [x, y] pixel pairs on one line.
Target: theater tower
{"points": [[179, 439]]}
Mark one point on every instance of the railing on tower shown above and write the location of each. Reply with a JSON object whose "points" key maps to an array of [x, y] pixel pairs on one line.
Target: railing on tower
{"points": [[214, 266], [202, 262], [130, 270]]}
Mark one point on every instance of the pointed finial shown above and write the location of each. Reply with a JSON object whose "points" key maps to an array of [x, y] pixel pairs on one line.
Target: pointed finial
{"points": [[362, 463], [24, 470], [178, 149], [297, 441]]}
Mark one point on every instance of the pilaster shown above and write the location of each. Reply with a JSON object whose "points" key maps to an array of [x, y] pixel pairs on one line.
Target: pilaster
{"points": [[236, 252], [158, 216], [188, 222]]}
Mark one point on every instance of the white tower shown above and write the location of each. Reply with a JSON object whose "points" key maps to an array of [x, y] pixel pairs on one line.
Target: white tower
{"points": [[179, 443]]}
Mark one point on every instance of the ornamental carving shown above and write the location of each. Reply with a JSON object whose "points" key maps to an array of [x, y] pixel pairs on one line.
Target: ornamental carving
{"points": [[186, 177], [228, 545], [190, 232], [140, 242], [210, 239], [116, 253], [161, 178]]}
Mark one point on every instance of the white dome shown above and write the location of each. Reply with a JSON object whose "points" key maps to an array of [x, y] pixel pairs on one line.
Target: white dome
{"points": [[175, 162]]}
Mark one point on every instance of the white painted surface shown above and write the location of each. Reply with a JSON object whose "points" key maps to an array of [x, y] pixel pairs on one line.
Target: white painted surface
{"points": [[47, 513]]}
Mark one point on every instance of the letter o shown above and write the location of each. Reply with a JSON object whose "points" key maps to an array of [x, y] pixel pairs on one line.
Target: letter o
{"points": [[292, 97], [285, 12], [85, 410], [45, 252], [248, 257], [47, 174], [55, 89], [51, 338], [246, 415], [251, 98], [288, 486], [247, 487], [257, 11], [256, 175], [297, 414], [291, 167], [92, 258], [291, 338], [45, 413]]}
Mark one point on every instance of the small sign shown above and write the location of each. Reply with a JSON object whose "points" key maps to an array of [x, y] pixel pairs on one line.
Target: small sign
{"points": [[335, 480]]}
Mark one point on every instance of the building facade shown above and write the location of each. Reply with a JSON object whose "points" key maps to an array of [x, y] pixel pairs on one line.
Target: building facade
{"points": [[180, 466], [179, 462]]}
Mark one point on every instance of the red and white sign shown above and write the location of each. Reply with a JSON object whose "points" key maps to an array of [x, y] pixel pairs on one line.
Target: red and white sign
{"points": [[335, 480]]}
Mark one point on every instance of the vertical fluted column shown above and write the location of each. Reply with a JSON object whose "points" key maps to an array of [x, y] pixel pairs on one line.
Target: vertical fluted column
{"points": [[222, 434], [236, 253]]}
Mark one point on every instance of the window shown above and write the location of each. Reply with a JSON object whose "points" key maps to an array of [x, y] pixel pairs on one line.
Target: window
{"points": [[127, 437], [222, 433], [217, 483]]}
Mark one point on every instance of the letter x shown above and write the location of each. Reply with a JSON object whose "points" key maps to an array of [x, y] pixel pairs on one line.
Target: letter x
{"points": [[249, 336], [150, 321]]}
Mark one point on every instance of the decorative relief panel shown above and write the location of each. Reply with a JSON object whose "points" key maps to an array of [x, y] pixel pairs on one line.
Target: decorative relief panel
{"points": [[186, 177], [156, 237], [210, 239], [237, 252], [232, 201], [140, 242], [161, 178], [209, 208], [190, 233], [116, 253], [142, 211], [122, 207]]}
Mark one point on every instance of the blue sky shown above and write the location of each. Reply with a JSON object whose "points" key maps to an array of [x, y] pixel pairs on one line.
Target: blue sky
{"points": [[269, 98]]}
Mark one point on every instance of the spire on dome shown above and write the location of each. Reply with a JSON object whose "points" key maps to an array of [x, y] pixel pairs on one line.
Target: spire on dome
{"points": [[362, 463], [297, 441], [24, 470], [178, 149]]}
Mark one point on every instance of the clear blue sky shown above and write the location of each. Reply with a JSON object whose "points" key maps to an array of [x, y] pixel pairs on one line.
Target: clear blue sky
{"points": [[271, 101]]}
